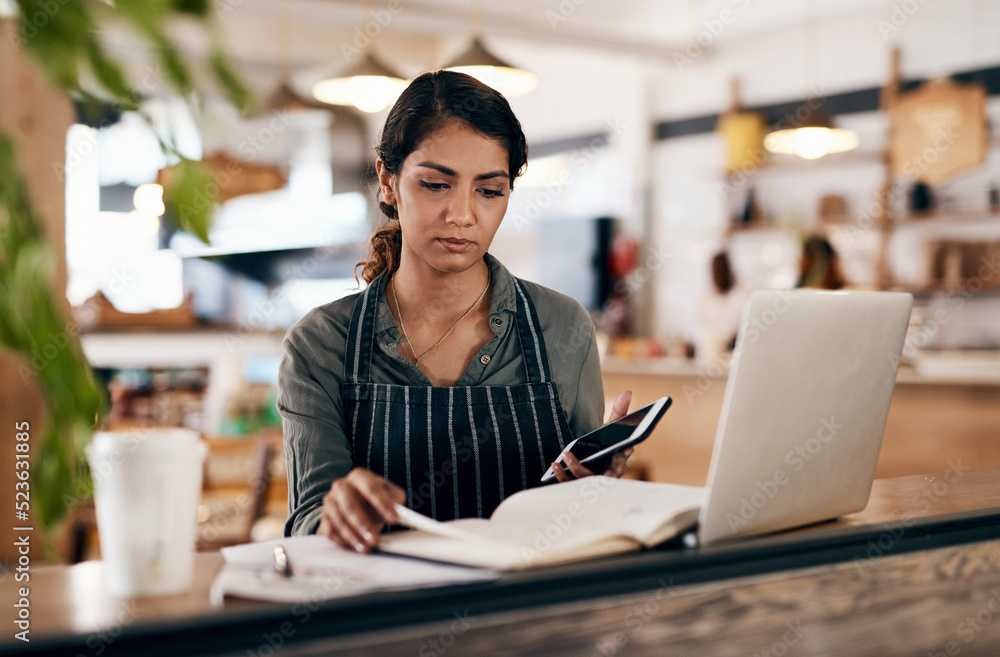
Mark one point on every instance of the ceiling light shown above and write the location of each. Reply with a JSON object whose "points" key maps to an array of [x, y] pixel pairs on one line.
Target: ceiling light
{"points": [[284, 98], [369, 85], [812, 139], [489, 69], [148, 200]]}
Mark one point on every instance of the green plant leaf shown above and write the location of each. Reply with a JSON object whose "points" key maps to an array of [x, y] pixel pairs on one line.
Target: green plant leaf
{"points": [[7, 331], [236, 91], [50, 472], [32, 326], [53, 34], [150, 16], [21, 225], [111, 77], [173, 64], [196, 7], [190, 197]]}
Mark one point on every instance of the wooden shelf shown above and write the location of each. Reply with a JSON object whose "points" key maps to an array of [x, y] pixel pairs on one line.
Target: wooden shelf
{"points": [[794, 163], [947, 217], [927, 292]]}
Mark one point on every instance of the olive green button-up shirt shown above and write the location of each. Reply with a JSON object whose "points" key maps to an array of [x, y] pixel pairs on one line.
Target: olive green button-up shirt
{"points": [[317, 447]]}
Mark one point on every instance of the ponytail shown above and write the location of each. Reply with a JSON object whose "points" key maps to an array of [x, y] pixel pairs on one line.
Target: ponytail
{"points": [[384, 248]]}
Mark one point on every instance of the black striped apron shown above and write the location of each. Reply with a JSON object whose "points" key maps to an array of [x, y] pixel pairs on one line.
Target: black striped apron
{"points": [[456, 451]]}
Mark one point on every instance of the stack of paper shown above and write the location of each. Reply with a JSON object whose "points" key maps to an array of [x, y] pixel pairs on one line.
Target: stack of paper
{"points": [[322, 571]]}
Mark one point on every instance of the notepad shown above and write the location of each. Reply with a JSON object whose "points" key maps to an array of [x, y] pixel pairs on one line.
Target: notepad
{"points": [[571, 521], [323, 571]]}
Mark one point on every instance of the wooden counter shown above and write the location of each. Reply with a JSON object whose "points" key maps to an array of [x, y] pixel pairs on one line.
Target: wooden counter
{"points": [[901, 577]]}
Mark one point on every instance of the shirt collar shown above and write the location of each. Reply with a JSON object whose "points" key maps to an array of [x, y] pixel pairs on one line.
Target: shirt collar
{"points": [[503, 299]]}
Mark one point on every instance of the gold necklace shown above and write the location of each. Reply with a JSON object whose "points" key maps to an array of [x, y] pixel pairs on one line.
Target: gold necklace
{"points": [[399, 313]]}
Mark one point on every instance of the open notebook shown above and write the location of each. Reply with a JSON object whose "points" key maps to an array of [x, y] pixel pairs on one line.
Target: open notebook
{"points": [[576, 520]]}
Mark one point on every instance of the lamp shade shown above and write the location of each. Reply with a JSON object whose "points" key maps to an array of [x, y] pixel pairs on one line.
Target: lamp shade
{"points": [[369, 85], [812, 138], [489, 69], [284, 98]]}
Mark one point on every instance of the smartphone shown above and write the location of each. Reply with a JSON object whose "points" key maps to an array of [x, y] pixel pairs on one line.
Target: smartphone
{"points": [[596, 448]]}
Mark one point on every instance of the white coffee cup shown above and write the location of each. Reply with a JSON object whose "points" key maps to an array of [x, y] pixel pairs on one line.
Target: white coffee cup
{"points": [[147, 484]]}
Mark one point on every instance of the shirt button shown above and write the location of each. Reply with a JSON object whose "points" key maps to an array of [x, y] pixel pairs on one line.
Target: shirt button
{"points": [[484, 359], [497, 321]]}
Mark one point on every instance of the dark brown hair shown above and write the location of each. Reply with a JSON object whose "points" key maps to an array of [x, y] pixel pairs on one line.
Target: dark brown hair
{"points": [[820, 265], [429, 103], [722, 273]]}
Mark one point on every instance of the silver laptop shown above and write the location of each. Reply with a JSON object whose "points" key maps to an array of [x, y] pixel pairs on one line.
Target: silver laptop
{"points": [[805, 408]]}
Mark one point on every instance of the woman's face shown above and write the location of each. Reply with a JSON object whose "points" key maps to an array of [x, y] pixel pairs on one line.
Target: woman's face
{"points": [[451, 195]]}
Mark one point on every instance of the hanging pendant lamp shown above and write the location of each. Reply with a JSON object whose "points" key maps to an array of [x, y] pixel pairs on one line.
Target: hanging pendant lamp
{"points": [[813, 138], [489, 69], [369, 85], [285, 98]]}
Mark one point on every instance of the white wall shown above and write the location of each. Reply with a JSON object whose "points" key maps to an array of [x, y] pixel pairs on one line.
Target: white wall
{"points": [[840, 53]]}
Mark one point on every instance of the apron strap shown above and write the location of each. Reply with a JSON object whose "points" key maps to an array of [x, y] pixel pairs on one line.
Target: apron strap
{"points": [[529, 330], [361, 334]]}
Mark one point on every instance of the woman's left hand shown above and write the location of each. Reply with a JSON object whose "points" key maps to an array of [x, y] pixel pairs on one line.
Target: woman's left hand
{"points": [[574, 470]]}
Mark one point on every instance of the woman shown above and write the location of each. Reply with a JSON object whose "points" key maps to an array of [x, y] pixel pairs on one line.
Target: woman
{"points": [[447, 384], [819, 266], [720, 310]]}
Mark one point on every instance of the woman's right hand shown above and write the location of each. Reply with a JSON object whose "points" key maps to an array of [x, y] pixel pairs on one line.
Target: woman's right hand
{"points": [[357, 507]]}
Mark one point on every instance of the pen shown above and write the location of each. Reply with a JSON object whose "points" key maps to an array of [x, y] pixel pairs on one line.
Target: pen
{"points": [[281, 563]]}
